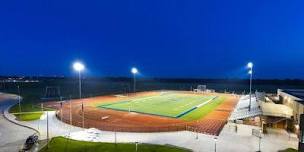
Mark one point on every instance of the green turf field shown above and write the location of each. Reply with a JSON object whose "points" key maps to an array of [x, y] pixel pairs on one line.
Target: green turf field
{"points": [[61, 144], [204, 110], [168, 104]]}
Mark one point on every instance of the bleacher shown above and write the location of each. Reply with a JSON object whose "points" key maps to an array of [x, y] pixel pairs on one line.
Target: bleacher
{"points": [[242, 111]]}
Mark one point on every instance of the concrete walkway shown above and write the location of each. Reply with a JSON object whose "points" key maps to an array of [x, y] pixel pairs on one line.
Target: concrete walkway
{"points": [[12, 136], [228, 140]]}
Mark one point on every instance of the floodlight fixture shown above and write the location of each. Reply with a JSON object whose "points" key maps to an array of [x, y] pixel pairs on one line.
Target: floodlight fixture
{"points": [[134, 70], [250, 65], [250, 72], [78, 66]]}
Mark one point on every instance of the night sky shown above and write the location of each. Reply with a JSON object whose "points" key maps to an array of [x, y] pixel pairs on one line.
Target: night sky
{"points": [[163, 38]]}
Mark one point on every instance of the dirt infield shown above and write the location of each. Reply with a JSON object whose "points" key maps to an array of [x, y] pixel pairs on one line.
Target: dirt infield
{"points": [[112, 120]]}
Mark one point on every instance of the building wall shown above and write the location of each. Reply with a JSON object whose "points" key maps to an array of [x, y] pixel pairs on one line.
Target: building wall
{"points": [[297, 108], [291, 101], [301, 134], [278, 125]]}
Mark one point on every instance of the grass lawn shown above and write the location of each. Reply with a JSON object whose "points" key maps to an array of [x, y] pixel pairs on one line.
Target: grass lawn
{"points": [[31, 111], [29, 116], [288, 150], [61, 144], [204, 110], [170, 105]]}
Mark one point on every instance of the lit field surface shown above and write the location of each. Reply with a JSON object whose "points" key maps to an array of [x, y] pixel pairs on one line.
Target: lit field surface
{"points": [[201, 112], [173, 105]]}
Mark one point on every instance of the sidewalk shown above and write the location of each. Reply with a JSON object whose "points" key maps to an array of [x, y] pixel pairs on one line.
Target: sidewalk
{"points": [[228, 140], [12, 118]]}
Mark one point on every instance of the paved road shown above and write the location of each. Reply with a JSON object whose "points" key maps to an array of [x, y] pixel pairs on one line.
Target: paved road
{"points": [[12, 136]]}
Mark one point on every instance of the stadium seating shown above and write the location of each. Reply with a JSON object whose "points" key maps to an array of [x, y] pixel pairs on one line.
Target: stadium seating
{"points": [[241, 110]]}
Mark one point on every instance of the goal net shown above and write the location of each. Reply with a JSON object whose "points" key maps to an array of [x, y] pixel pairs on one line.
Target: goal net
{"points": [[200, 88], [52, 92]]}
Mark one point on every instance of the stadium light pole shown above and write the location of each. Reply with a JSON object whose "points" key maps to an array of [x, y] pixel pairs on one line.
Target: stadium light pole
{"points": [[134, 71], [78, 66], [71, 110], [250, 72]]}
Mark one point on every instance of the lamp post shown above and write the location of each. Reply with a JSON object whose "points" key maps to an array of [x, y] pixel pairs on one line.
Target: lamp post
{"points": [[47, 128], [215, 140], [250, 72], [71, 110], [260, 137], [134, 71], [19, 99], [80, 67], [136, 146]]}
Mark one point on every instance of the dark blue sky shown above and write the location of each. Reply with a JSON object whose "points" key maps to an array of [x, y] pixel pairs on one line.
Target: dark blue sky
{"points": [[163, 38]]}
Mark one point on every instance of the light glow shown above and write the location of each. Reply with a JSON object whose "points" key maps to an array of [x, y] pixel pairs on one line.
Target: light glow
{"points": [[134, 70], [250, 72], [78, 66], [250, 65], [297, 127]]}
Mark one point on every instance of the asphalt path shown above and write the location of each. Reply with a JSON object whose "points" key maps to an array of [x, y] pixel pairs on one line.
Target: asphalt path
{"points": [[12, 136]]}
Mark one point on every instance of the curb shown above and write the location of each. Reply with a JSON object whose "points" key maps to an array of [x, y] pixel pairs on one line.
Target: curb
{"points": [[6, 116]]}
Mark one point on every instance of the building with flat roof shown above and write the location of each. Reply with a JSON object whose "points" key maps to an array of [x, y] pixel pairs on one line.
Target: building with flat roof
{"points": [[293, 98]]}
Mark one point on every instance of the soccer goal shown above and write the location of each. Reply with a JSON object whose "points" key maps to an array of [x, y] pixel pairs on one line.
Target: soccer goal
{"points": [[201, 88], [51, 93]]}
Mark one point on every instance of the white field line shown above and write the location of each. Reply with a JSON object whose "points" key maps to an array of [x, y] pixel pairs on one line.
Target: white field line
{"points": [[193, 101], [202, 104], [141, 99]]}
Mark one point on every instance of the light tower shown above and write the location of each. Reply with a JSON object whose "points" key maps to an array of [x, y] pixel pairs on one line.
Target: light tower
{"points": [[250, 72], [134, 71], [78, 66]]}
